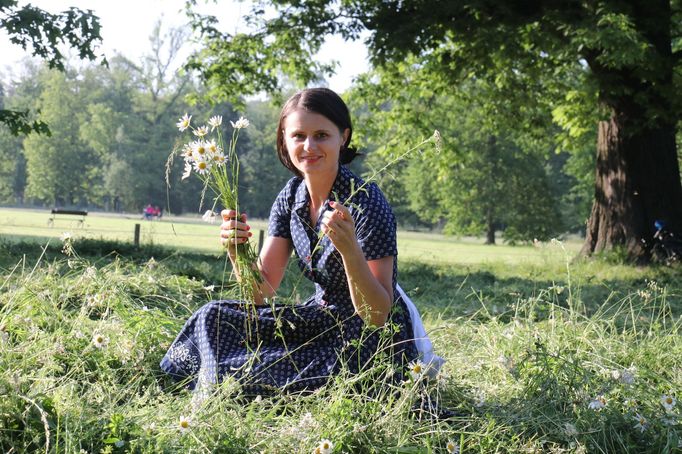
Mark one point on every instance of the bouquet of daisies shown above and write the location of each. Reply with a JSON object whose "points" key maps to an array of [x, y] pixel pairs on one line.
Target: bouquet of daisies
{"points": [[218, 168]]}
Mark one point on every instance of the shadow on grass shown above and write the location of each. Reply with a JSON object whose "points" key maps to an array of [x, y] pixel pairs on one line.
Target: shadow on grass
{"points": [[466, 291]]}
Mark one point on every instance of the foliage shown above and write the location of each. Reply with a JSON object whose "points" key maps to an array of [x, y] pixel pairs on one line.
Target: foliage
{"points": [[43, 33]]}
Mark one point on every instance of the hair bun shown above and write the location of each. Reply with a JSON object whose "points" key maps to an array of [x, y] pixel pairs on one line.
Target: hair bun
{"points": [[348, 154]]}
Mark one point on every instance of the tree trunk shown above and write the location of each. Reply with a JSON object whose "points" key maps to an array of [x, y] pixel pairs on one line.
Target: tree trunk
{"points": [[637, 182]]}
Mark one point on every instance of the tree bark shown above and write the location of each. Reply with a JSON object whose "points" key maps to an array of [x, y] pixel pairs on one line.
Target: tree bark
{"points": [[637, 182]]}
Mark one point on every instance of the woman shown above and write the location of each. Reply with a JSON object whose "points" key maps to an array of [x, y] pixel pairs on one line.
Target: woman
{"points": [[343, 233]]}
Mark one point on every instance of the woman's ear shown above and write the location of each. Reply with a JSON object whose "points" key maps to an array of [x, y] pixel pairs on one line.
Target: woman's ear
{"points": [[346, 134]]}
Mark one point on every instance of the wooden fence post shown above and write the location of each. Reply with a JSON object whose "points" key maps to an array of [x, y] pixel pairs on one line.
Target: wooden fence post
{"points": [[137, 235]]}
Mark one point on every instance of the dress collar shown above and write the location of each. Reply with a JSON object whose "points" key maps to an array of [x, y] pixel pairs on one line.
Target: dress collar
{"points": [[341, 189]]}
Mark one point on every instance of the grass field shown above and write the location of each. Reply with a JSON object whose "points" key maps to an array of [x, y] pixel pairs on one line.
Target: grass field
{"points": [[192, 234], [544, 353]]}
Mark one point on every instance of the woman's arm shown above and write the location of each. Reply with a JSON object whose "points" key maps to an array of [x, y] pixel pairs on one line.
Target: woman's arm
{"points": [[370, 282], [273, 258]]}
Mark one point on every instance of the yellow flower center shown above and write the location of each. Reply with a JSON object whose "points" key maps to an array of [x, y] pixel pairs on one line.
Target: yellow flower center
{"points": [[669, 400], [184, 424], [201, 150], [202, 165], [417, 369], [212, 148], [99, 339], [325, 445]]}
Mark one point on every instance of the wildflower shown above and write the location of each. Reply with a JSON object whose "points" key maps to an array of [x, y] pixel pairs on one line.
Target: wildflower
{"points": [[325, 447], [120, 443], [201, 131], [201, 167], [627, 376], [597, 404], [669, 421], [209, 288], [417, 369], [240, 124], [99, 341], [452, 447], [188, 170], [90, 272], [570, 429], [212, 147], [187, 151], [199, 149], [668, 402], [184, 424], [183, 123], [641, 422], [66, 236], [209, 216], [215, 121], [145, 309]]}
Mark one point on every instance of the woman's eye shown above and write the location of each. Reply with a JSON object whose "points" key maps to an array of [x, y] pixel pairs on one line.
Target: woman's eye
{"points": [[299, 136], [321, 135]]}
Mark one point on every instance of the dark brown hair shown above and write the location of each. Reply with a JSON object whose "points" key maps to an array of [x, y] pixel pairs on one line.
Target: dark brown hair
{"points": [[322, 101]]}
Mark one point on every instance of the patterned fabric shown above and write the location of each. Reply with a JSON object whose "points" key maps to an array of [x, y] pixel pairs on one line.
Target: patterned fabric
{"points": [[298, 347]]}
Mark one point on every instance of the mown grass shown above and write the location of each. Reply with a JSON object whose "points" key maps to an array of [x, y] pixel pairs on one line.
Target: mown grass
{"points": [[529, 346]]}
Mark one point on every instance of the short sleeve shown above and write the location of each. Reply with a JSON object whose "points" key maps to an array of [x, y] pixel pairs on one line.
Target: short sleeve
{"points": [[376, 226], [280, 213]]}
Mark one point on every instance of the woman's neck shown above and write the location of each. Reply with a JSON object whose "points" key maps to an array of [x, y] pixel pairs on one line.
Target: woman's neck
{"points": [[319, 186]]}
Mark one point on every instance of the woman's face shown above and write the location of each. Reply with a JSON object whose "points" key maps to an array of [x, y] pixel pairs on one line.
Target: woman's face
{"points": [[313, 142]]}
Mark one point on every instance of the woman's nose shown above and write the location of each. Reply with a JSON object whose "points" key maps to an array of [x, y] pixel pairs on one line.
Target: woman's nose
{"points": [[309, 144]]}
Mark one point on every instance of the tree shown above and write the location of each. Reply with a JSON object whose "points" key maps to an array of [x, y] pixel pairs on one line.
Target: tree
{"points": [[617, 55], [485, 178], [43, 33]]}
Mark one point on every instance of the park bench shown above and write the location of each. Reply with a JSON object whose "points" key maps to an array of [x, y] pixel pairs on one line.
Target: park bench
{"points": [[59, 212]]}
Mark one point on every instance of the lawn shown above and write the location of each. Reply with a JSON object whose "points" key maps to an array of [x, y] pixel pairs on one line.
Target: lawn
{"points": [[544, 353]]}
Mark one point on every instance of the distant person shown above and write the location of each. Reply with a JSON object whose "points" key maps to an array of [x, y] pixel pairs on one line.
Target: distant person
{"points": [[294, 347], [148, 212], [157, 212]]}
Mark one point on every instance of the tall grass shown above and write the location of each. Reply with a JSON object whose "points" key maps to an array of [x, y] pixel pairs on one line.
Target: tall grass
{"points": [[528, 353]]}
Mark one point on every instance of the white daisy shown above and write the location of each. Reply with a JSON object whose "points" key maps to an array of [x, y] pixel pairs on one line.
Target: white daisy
{"points": [[187, 151], [202, 167], [209, 216], [215, 121], [641, 422], [597, 403], [187, 171], [184, 424], [212, 147], [451, 447], [417, 369], [199, 149], [240, 124], [183, 123], [66, 236], [325, 447], [201, 131], [668, 402], [99, 340], [570, 429]]}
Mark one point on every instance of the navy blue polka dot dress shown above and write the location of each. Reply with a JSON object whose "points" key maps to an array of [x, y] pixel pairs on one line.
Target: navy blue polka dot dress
{"points": [[298, 347]]}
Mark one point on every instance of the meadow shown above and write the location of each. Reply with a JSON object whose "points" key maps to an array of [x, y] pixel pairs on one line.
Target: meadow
{"points": [[545, 352]]}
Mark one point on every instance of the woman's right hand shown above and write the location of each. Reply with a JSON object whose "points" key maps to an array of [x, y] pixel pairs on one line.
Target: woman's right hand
{"points": [[233, 231]]}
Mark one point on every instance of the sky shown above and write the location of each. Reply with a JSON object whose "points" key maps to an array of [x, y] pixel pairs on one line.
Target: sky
{"points": [[127, 24]]}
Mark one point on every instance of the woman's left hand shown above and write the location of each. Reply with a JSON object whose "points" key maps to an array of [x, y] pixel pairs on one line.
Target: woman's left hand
{"points": [[338, 225]]}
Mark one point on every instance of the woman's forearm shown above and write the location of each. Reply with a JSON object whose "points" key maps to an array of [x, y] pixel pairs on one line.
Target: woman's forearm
{"points": [[371, 298]]}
